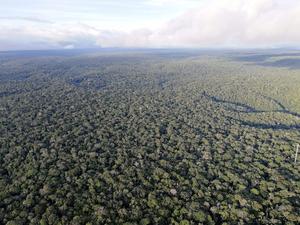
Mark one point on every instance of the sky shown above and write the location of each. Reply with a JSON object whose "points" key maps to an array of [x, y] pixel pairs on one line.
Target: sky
{"points": [[69, 24]]}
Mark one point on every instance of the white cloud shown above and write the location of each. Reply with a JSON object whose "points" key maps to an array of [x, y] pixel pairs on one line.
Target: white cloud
{"points": [[234, 23], [69, 47], [227, 23], [173, 2], [214, 23]]}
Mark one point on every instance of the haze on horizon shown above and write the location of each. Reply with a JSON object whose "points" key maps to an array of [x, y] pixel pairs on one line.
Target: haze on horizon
{"points": [[66, 24]]}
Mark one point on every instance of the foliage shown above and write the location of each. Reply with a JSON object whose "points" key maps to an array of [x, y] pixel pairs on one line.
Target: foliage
{"points": [[148, 138]]}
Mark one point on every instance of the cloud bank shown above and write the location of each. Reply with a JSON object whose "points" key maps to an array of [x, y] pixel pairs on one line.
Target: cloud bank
{"points": [[214, 23]]}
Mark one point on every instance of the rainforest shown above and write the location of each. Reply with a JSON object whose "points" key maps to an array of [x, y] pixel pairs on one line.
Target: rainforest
{"points": [[149, 136]]}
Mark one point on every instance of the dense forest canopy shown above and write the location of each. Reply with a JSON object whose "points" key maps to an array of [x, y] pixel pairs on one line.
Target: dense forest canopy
{"points": [[149, 137]]}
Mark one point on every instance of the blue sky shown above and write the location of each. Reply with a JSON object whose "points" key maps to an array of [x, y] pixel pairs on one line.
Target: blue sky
{"points": [[56, 24], [107, 13]]}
